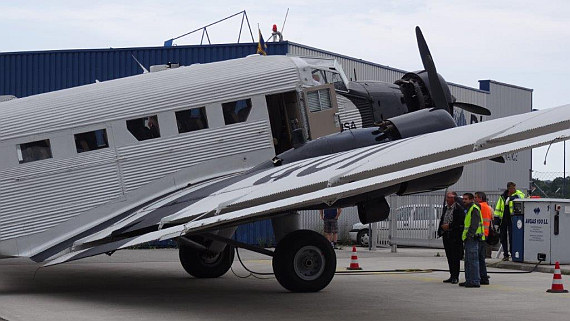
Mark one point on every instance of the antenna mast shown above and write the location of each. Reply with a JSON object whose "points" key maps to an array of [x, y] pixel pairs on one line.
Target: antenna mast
{"points": [[169, 42]]}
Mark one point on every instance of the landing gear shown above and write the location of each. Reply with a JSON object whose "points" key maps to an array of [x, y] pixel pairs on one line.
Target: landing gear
{"points": [[304, 261], [205, 264]]}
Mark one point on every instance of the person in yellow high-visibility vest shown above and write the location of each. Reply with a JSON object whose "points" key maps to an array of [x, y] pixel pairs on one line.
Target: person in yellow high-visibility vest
{"points": [[503, 212], [473, 233]]}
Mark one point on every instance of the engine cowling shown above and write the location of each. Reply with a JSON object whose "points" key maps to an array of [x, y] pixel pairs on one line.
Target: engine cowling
{"points": [[422, 121]]}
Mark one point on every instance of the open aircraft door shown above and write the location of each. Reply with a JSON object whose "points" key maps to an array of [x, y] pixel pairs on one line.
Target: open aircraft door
{"points": [[322, 108]]}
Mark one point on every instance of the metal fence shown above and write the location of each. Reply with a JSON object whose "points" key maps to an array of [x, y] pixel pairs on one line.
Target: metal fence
{"points": [[311, 220], [413, 220]]}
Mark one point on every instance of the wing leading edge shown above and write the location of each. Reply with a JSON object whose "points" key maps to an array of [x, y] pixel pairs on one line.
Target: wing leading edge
{"points": [[326, 179]]}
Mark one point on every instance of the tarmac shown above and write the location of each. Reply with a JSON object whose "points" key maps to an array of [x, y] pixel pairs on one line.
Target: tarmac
{"points": [[151, 285], [493, 262], [522, 266]]}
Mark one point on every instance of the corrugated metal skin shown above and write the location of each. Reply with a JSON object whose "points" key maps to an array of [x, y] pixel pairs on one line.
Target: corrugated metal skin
{"points": [[160, 158], [29, 73], [365, 70], [28, 211], [184, 87], [502, 99], [348, 112]]}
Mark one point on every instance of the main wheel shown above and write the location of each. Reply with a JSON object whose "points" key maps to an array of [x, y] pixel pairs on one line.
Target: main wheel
{"points": [[304, 261], [204, 264]]}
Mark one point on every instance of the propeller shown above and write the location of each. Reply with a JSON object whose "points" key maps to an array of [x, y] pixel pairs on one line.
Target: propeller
{"points": [[475, 109], [436, 90]]}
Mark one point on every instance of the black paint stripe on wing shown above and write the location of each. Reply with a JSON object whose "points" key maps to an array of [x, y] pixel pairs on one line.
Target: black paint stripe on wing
{"points": [[150, 222], [100, 249]]}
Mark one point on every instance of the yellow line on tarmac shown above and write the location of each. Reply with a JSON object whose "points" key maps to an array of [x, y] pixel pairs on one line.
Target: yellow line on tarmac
{"points": [[258, 261]]}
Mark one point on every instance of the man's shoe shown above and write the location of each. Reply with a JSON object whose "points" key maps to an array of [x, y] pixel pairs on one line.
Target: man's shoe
{"points": [[472, 285], [484, 282], [450, 280], [462, 284], [454, 281], [506, 258]]}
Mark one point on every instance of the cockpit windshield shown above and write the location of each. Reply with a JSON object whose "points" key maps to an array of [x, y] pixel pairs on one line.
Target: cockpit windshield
{"points": [[327, 71], [321, 77]]}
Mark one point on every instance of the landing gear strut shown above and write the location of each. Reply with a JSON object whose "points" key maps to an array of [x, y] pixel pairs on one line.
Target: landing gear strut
{"points": [[304, 261]]}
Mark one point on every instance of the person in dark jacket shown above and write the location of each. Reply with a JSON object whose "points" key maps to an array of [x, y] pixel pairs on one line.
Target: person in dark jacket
{"points": [[451, 229], [503, 211]]}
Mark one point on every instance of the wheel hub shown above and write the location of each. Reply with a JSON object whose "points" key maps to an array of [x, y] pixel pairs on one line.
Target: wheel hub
{"points": [[210, 258], [365, 239], [309, 263]]}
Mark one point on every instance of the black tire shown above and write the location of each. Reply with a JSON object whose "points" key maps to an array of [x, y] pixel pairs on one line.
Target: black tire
{"points": [[360, 237], [203, 264], [304, 261]]}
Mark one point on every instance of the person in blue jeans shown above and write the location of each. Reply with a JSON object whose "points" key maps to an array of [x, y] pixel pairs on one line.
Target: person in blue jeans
{"points": [[473, 233], [330, 218]]}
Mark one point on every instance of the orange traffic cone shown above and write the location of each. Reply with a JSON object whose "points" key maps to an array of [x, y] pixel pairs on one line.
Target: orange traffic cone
{"points": [[354, 261], [557, 286]]}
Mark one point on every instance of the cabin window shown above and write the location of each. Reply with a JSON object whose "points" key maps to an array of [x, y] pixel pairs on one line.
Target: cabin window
{"points": [[191, 120], [319, 100], [34, 151], [144, 128], [236, 111], [92, 140]]}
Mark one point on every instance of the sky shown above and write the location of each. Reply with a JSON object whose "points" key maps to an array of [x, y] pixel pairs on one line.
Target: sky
{"points": [[525, 43]]}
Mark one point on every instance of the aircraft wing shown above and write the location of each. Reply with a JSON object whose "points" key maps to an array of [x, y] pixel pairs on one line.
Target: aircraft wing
{"points": [[325, 179]]}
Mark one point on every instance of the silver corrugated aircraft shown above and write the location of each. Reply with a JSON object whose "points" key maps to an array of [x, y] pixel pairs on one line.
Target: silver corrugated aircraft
{"points": [[193, 152]]}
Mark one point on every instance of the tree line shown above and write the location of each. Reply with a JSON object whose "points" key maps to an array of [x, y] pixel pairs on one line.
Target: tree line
{"points": [[557, 188]]}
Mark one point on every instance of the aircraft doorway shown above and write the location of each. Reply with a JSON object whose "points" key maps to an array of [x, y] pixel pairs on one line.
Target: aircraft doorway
{"points": [[284, 118]]}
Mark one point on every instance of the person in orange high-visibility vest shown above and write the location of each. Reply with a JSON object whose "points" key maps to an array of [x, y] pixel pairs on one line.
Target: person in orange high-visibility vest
{"points": [[487, 214]]}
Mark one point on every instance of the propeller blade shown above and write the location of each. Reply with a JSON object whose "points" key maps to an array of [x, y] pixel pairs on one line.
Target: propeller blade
{"points": [[436, 90], [475, 109]]}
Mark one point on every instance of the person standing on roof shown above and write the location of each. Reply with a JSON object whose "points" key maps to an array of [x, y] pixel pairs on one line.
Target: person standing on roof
{"points": [[276, 35], [487, 214], [503, 211]]}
